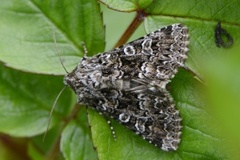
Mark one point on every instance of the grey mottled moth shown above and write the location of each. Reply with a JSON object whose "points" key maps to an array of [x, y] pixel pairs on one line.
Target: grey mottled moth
{"points": [[128, 84]]}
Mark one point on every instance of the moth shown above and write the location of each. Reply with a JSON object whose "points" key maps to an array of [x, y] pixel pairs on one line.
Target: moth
{"points": [[129, 83]]}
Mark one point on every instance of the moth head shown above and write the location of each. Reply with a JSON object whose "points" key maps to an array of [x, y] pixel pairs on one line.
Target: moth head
{"points": [[77, 84], [70, 80]]}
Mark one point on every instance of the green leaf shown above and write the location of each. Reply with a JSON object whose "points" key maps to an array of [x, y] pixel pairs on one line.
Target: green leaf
{"points": [[127, 5], [26, 100], [76, 142], [26, 35], [200, 140], [224, 10]]}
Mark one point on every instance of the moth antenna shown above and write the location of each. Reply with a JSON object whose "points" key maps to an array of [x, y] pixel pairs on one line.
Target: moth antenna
{"points": [[50, 114], [56, 47], [84, 49]]}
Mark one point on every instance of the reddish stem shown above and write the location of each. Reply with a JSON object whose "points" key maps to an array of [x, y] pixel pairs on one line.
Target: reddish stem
{"points": [[138, 19], [19, 148]]}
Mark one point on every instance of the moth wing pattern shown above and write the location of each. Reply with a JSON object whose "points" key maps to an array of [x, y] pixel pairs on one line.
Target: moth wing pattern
{"points": [[128, 84]]}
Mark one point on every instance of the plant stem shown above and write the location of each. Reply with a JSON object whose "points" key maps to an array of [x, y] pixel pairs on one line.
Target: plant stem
{"points": [[138, 19]]}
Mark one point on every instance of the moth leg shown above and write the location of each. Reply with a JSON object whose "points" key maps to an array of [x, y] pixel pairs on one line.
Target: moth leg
{"points": [[111, 128], [85, 51]]}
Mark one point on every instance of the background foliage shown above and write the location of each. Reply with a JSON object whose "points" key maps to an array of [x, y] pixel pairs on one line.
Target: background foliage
{"points": [[31, 77]]}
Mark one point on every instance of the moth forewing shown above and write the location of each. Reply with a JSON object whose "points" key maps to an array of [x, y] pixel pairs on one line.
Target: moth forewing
{"points": [[128, 84]]}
